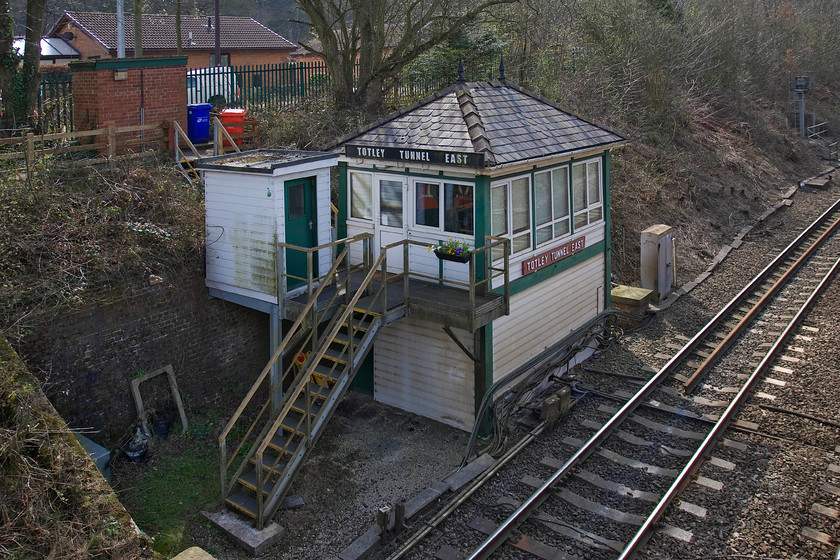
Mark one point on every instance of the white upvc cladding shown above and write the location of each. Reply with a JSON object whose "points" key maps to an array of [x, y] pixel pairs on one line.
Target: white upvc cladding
{"points": [[546, 313], [418, 368], [245, 217]]}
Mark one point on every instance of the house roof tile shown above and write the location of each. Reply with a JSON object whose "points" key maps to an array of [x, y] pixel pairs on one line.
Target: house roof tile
{"points": [[240, 33]]}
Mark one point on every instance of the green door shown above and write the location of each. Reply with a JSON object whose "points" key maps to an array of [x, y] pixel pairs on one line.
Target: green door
{"points": [[301, 228]]}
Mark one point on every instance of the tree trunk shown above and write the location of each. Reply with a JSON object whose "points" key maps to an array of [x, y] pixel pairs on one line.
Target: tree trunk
{"points": [[32, 59], [8, 64]]}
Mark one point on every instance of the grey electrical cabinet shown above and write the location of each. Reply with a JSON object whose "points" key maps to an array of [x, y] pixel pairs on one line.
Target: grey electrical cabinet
{"points": [[657, 260]]}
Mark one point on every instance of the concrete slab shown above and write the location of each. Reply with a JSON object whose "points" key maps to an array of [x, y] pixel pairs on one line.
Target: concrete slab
{"points": [[423, 499], [292, 502], [194, 553], [362, 546], [250, 539], [472, 470]]}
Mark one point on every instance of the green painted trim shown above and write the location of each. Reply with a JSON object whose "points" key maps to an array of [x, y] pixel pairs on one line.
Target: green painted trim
{"points": [[525, 282], [363, 379], [343, 198], [483, 375], [538, 169], [126, 63], [481, 224], [605, 164]]}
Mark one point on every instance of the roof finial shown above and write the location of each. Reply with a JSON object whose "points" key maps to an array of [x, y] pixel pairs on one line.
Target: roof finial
{"points": [[461, 78], [502, 68]]}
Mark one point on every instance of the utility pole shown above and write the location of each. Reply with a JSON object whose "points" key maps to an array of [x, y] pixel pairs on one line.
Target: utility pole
{"points": [[120, 29], [218, 38]]}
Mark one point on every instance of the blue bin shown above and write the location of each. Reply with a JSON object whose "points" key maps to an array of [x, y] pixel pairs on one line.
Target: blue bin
{"points": [[198, 122]]}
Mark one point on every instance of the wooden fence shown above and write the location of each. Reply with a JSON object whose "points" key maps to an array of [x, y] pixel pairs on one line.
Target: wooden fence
{"points": [[109, 144]]}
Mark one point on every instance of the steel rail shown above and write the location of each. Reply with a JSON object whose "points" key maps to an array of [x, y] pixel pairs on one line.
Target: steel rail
{"points": [[467, 492], [692, 382], [503, 532], [645, 532]]}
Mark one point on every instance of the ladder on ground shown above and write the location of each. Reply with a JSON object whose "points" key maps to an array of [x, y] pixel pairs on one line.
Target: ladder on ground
{"points": [[268, 451]]}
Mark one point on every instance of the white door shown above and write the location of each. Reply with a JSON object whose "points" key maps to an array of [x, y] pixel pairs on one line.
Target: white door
{"points": [[391, 222]]}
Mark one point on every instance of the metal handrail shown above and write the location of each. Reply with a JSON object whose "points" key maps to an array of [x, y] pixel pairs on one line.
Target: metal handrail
{"points": [[219, 143], [311, 280], [473, 286], [302, 380], [309, 311], [310, 317], [180, 155]]}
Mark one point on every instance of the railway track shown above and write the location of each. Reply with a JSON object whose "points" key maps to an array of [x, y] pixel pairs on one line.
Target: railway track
{"points": [[625, 455]]}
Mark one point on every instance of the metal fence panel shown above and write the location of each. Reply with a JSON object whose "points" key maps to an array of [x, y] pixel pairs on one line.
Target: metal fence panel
{"points": [[55, 102]]}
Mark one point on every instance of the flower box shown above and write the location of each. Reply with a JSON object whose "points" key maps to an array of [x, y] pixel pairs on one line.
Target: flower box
{"points": [[453, 257]]}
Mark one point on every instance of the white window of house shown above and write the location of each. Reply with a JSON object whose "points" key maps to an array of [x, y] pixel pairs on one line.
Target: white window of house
{"points": [[510, 206], [587, 201], [551, 210], [447, 204], [361, 199], [391, 203]]}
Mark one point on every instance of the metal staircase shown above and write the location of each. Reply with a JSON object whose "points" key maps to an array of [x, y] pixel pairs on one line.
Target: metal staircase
{"points": [[287, 408], [311, 389], [185, 157]]}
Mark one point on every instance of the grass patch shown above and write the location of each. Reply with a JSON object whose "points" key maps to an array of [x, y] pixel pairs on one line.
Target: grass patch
{"points": [[167, 493], [170, 491]]}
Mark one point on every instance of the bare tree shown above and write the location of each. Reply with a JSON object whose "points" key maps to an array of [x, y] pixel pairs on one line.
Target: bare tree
{"points": [[8, 64], [382, 37], [30, 73]]}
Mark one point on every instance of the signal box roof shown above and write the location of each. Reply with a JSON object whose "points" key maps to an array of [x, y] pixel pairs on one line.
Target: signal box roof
{"points": [[498, 120]]}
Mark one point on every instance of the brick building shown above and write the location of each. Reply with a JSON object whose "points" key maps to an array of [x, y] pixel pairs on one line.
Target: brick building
{"points": [[243, 40]]}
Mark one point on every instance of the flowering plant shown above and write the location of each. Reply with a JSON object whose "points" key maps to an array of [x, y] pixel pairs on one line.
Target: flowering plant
{"points": [[452, 247]]}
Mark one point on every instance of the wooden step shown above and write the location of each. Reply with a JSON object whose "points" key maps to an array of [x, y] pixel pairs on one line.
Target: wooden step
{"points": [[293, 422], [243, 502], [335, 356], [343, 338], [324, 377]]}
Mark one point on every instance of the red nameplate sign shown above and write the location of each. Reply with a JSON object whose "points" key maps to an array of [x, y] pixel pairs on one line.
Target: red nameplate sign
{"points": [[550, 257]]}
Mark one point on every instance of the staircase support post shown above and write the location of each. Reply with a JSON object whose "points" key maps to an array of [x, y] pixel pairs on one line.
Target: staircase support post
{"points": [[276, 375]]}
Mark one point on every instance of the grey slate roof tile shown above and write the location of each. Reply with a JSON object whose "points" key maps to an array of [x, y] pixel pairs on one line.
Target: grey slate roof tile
{"points": [[498, 119]]}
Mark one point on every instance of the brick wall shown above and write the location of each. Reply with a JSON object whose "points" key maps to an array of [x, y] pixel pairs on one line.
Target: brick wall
{"points": [[88, 357], [114, 91]]}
